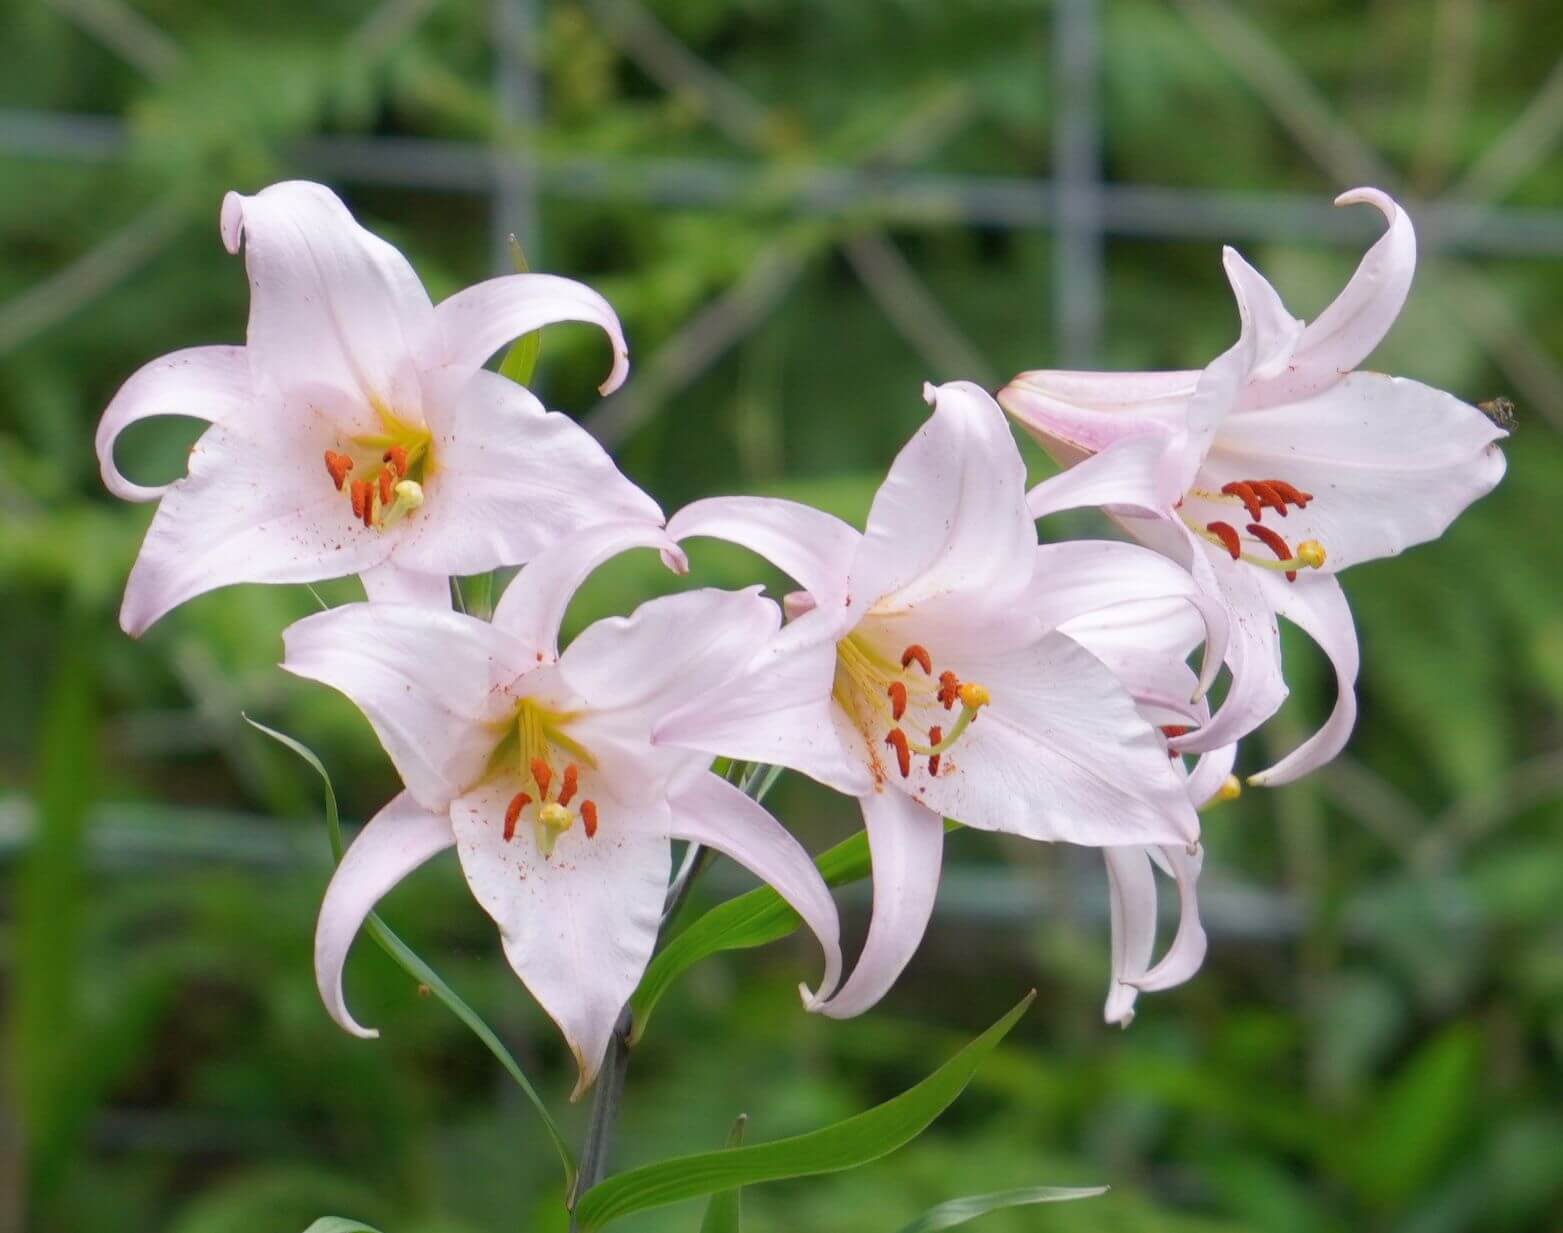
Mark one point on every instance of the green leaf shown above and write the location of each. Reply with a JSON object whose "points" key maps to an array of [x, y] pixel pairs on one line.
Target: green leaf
{"points": [[724, 1214], [421, 971], [750, 920], [959, 1211], [856, 1141], [340, 1224], [520, 361]]}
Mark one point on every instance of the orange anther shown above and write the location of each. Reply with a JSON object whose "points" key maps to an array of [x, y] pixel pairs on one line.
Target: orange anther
{"points": [[1275, 544], [1170, 730], [541, 775], [1245, 494], [571, 782], [903, 752], [589, 817], [1288, 493], [920, 654], [337, 466], [396, 459], [1267, 493], [935, 735], [518, 802], [949, 689], [1227, 534], [897, 692], [359, 491], [387, 483]]}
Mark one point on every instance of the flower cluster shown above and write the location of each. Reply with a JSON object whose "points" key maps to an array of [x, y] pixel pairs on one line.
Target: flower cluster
{"points": [[940, 664]]}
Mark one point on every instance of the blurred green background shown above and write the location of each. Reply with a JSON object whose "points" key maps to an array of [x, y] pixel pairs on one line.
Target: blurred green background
{"points": [[801, 210]]}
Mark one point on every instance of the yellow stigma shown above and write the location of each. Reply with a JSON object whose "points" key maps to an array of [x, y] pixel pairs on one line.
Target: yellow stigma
{"points": [[555, 817], [409, 496], [973, 696], [1311, 553], [1231, 788]]}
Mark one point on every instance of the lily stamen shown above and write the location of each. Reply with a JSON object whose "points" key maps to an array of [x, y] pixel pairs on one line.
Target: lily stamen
{"points": [[897, 692], [337, 467], [920, 654], [896, 739], [518, 802]]}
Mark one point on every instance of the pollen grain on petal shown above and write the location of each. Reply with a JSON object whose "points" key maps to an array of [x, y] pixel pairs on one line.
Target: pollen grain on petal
{"points": [[896, 739], [920, 655], [1227, 534]]}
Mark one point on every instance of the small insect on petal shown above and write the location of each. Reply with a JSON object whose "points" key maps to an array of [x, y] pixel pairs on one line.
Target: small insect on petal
{"points": [[920, 654], [337, 466], [1275, 544], [903, 752], [518, 802], [571, 781], [1227, 534], [897, 692], [541, 775], [396, 459], [589, 817]]}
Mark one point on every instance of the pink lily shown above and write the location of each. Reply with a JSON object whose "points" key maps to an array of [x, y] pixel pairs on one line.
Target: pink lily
{"points": [[356, 432], [1272, 469], [922, 674], [539, 768]]}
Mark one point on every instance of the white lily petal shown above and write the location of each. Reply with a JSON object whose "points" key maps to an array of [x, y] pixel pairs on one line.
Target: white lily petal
{"points": [[506, 479], [949, 523], [813, 548], [1187, 952], [631, 671], [1318, 607], [708, 810], [533, 605], [1389, 463], [330, 303], [1209, 773], [432, 712], [1346, 332], [389, 583], [203, 383], [779, 710], [397, 840], [1131, 911], [1275, 331], [255, 507], [1131, 474], [1071, 414], [1061, 753], [478, 321], [578, 926], [906, 847]]}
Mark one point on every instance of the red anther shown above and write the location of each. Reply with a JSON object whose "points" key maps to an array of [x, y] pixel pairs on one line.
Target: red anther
{"points": [[897, 692], [369, 506], [1227, 534], [1170, 730], [903, 752], [1295, 495], [935, 735], [949, 690], [1244, 493], [386, 484], [337, 466], [396, 459], [571, 782], [589, 817], [359, 491], [541, 774], [1267, 493], [1275, 544], [920, 654], [518, 802]]}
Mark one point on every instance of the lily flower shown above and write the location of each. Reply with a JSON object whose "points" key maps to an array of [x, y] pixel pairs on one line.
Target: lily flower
{"points": [[539, 768], [920, 675], [1271, 470], [356, 431]]}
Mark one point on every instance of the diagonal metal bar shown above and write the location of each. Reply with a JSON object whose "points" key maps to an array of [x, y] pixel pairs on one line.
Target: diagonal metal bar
{"points": [[125, 32], [514, 207], [1078, 249], [90, 275], [1520, 149]]}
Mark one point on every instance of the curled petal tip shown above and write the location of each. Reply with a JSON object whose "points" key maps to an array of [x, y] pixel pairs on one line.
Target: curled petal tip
{"points": [[231, 221], [676, 559], [1375, 197], [930, 393]]}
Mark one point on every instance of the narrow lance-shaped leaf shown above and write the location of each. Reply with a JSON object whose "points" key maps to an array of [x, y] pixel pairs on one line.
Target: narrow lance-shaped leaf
{"points": [[959, 1211], [520, 361], [724, 1214], [747, 921], [856, 1141], [420, 971]]}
